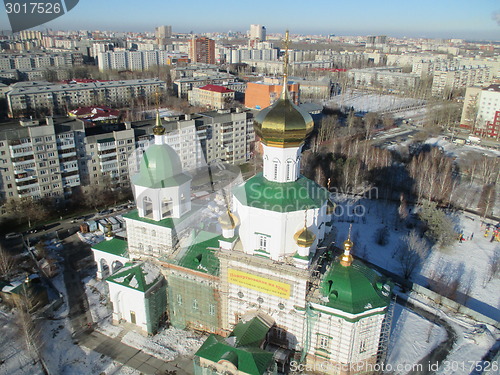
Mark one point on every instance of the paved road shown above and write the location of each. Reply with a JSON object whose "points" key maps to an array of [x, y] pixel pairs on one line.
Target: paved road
{"points": [[80, 316]]}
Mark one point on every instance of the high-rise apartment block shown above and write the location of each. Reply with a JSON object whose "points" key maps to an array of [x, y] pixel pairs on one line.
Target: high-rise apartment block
{"points": [[162, 34], [258, 32], [202, 50]]}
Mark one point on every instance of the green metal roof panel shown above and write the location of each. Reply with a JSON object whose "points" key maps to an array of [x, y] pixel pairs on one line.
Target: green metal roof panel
{"points": [[160, 167], [138, 276], [114, 246], [250, 333], [281, 197], [355, 288], [200, 257], [250, 360]]}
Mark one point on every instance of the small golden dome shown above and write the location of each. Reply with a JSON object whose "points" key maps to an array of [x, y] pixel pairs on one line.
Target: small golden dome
{"points": [[283, 124], [158, 129], [330, 208], [304, 237], [348, 244], [228, 220], [346, 259]]}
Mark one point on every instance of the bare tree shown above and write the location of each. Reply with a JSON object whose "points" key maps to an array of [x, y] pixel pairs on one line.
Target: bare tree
{"points": [[29, 329], [411, 252], [6, 263], [493, 265]]}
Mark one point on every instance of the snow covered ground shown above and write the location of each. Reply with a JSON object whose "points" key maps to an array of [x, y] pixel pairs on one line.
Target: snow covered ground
{"points": [[14, 359], [369, 102], [412, 338], [460, 151]]}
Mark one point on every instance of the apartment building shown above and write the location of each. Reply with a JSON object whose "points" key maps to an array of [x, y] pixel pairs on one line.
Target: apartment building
{"points": [[26, 99], [212, 96], [385, 77], [459, 78], [481, 111], [202, 50], [226, 135], [137, 60], [27, 61], [39, 158], [259, 95], [50, 158], [183, 85]]}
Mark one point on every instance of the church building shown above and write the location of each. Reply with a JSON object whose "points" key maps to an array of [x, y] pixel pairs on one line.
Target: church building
{"points": [[265, 257]]}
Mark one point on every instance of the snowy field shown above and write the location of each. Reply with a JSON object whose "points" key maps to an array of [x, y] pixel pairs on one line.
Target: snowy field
{"points": [[412, 338], [368, 102], [461, 151]]}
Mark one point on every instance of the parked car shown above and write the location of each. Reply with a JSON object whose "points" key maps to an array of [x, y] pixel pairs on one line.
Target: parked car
{"points": [[13, 235]]}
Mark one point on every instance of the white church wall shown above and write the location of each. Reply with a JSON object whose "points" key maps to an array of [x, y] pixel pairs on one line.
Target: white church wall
{"points": [[281, 164], [278, 228], [127, 301]]}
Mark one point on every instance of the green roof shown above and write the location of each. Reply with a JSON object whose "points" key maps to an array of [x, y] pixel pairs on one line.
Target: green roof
{"points": [[160, 167], [134, 215], [250, 333], [138, 276], [281, 196], [249, 358], [199, 257], [355, 288], [114, 246]]}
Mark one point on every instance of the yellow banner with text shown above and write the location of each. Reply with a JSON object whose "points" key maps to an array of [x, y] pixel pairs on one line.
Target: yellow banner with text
{"points": [[260, 284]]}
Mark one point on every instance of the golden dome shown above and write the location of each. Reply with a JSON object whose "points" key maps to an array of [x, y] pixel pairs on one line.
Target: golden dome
{"points": [[228, 220], [330, 208], [283, 124], [304, 237], [158, 129]]}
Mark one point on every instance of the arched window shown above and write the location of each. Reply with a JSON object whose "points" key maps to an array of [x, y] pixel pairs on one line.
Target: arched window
{"points": [[289, 170], [166, 207], [276, 163], [147, 205]]}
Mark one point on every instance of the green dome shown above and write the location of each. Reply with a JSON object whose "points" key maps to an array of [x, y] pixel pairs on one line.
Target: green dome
{"points": [[160, 167], [355, 288]]}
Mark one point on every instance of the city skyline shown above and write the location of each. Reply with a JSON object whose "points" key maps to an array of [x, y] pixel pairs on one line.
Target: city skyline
{"points": [[462, 19]]}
